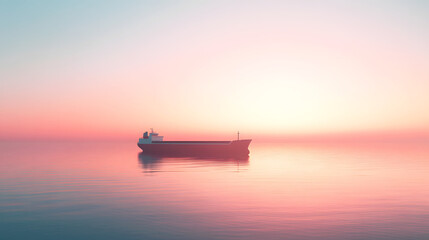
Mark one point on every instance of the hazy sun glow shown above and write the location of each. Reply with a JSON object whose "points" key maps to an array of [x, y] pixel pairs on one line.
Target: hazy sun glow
{"points": [[114, 69]]}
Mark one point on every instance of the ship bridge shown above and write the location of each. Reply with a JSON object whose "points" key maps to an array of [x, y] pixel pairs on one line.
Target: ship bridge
{"points": [[150, 137]]}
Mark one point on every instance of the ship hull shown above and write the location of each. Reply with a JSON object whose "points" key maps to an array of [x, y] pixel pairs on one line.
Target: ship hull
{"points": [[197, 147]]}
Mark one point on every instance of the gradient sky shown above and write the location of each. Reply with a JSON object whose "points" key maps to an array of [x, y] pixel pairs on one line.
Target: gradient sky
{"points": [[113, 69]]}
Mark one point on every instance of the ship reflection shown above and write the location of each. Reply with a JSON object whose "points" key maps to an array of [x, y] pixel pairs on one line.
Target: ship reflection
{"points": [[155, 161]]}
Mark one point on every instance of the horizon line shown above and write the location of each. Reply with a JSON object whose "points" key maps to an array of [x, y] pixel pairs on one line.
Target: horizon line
{"points": [[392, 136]]}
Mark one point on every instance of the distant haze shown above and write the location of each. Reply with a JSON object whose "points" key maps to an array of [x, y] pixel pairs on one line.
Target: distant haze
{"points": [[205, 69]]}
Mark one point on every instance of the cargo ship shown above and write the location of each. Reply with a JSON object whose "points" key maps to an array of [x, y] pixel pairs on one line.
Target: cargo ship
{"points": [[153, 143]]}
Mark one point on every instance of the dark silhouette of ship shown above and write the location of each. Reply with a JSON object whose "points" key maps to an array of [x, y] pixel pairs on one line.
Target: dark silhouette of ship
{"points": [[153, 143]]}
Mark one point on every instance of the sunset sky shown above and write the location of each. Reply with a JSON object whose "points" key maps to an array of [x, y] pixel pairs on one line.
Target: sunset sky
{"points": [[114, 69]]}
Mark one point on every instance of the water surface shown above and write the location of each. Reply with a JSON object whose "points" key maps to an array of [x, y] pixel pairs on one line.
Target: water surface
{"points": [[109, 190]]}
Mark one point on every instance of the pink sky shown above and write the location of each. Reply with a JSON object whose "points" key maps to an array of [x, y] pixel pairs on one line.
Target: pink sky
{"points": [[282, 69]]}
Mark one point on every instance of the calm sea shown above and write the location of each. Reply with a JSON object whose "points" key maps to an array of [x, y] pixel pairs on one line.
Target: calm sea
{"points": [[107, 190]]}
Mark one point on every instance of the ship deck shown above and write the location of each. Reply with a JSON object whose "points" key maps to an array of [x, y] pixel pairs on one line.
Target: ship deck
{"points": [[192, 142]]}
